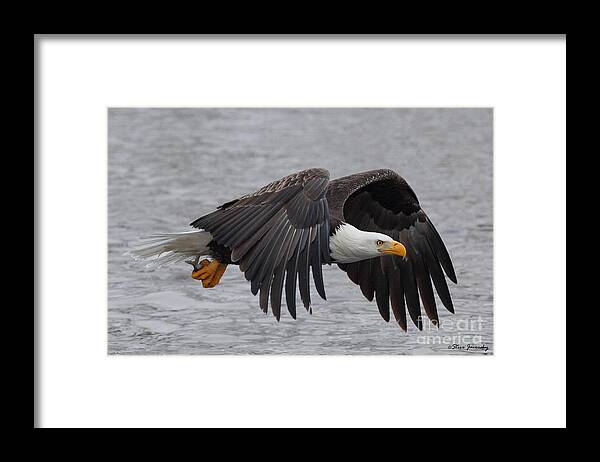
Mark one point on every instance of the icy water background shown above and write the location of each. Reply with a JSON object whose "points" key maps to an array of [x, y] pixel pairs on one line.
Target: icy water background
{"points": [[167, 167]]}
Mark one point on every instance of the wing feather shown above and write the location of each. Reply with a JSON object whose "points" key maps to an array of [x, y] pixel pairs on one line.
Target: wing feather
{"points": [[315, 264], [396, 291], [303, 274], [365, 279], [382, 292], [291, 276]]}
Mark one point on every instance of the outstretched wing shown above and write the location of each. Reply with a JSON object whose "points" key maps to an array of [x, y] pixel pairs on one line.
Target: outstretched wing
{"points": [[382, 201], [280, 230]]}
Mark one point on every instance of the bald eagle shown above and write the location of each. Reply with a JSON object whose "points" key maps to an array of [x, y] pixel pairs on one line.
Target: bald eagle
{"points": [[369, 224]]}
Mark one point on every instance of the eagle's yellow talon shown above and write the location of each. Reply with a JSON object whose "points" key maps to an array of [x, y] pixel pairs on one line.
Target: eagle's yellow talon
{"points": [[209, 273], [200, 272]]}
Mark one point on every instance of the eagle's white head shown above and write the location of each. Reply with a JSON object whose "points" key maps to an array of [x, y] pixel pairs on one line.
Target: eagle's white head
{"points": [[350, 244]]}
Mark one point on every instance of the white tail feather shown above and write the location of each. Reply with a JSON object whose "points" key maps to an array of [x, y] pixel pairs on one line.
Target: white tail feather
{"points": [[163, 249]]}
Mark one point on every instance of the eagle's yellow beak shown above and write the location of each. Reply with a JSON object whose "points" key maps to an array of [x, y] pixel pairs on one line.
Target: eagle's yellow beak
{"points": [[394, 248]]}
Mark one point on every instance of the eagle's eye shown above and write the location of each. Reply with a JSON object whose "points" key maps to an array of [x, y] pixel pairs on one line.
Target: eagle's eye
{"points": [[379, 242]]}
